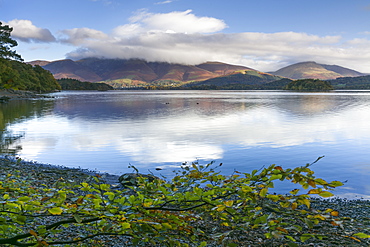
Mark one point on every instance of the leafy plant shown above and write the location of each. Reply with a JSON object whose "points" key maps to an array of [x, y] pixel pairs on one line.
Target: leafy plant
{"points": [[196, 207]]}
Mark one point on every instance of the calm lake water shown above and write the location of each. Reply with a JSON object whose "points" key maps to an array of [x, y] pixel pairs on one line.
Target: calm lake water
{"points": [[245, 130]]}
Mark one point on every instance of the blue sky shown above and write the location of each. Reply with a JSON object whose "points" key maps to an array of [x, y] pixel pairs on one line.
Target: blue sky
{"points": [[261, 34]]}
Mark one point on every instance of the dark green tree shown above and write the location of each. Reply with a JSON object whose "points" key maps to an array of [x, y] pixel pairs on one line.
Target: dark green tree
{"points": [[309, 85], [6, 43]]}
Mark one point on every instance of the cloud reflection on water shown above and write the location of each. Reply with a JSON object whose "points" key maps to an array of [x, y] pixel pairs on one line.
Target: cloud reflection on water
{"points": [[182, 133], [107, 131]]}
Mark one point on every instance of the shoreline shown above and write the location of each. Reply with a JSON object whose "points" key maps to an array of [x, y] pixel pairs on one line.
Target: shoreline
{"points": [[112, 179], [11, 94], [355, 213], [6, 160]]}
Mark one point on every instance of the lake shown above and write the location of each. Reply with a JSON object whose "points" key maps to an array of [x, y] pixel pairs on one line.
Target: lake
{"points": [[245, 130]]}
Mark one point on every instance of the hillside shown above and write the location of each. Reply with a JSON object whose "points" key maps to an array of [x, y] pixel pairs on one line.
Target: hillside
{"points": [[358, 83], [313, 70], [244, 79], [135, 72], [21, 76]]}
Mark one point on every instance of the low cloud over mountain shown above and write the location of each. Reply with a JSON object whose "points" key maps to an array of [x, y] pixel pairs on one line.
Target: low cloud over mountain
{"points": [[185, 38]]}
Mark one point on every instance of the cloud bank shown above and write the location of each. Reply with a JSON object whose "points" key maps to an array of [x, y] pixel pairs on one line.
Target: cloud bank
{"points": [[183, 37], [25, 31]]}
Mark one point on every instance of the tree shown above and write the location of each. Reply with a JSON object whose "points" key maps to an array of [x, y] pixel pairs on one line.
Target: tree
{"points": [[199, 206], [309, 85], [6, 43]]}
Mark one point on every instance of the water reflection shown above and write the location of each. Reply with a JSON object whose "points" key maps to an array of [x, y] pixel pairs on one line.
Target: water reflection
{"points": [[15, 112], [244, 130]]}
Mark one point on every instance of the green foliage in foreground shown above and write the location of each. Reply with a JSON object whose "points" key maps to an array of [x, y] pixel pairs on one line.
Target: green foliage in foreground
{"points": [[309, 85], [74, 84], [197, 207], [22, 76]]}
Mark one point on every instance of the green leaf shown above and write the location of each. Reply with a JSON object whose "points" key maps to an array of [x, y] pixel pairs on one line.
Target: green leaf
{"points": [[361, 235], [125, 225], [291, 244], [306, 237], [105, 187], [21, 219], [77, 218], [85, 185], [55, 211], [203, 244], [166, 225], [276, 176], [326, 194], [246, 189], [291, 239], [320, 181], [110, 195], [308, 222], [274, 198], [263, 192], [336, 183], [294, 192], [24, 199]]}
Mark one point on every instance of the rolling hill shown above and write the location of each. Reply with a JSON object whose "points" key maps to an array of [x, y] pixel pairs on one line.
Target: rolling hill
{"points": [[121, 73], [243, 79], [313, 70], [135, 72]]}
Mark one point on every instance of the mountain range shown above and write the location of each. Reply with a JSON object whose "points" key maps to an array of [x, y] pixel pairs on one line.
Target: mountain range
{"points": [[313, 70], [135, 72]]}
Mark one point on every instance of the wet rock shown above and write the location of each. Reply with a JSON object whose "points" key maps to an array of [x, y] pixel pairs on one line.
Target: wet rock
{"points": [[4, 99]]}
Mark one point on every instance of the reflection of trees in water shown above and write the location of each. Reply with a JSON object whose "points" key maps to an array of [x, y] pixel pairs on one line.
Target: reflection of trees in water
{"points": [[8, 143], [310, 105], [17, 111]]}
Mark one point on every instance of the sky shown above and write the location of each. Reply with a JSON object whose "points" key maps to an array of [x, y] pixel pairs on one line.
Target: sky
{"points": [[265, 35]]}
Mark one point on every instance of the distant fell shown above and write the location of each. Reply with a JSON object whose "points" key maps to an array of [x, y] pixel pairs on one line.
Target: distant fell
{"points": [[39, 63], [313, 70], [136, 72], [70, 69], [243, 79]]}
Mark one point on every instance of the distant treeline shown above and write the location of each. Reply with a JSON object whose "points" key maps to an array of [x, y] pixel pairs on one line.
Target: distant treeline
{"points": [[73, 84], [21, 76], [360, 82], [275, 85], [309, 85]]}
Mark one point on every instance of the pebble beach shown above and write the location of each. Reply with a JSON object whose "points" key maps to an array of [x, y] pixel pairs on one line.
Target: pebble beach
{"points": [[355, 213]]}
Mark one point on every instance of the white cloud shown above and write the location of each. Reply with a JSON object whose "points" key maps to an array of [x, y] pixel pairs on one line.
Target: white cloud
{"points": [[25, 31], [181, 22], [258, 49], [128, 30], [183, 37], [82, 36], [164, 2]]}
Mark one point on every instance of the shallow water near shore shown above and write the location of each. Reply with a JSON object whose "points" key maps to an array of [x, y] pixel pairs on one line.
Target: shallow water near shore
{"points": [[244, 130]]}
